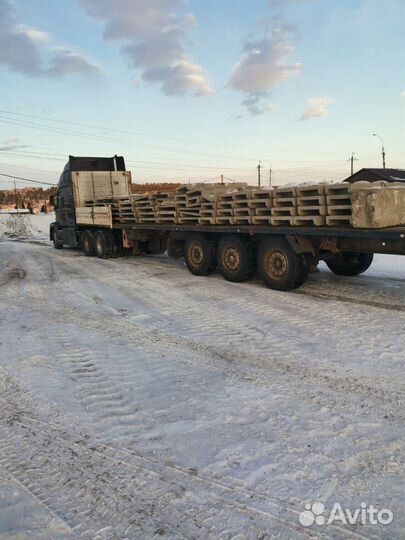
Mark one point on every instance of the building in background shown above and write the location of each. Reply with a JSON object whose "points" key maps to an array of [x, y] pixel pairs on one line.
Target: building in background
{"points": [[377, 175]]}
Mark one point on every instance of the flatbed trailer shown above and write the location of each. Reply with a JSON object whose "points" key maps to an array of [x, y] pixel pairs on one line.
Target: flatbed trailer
{"points": [[282, 255]]}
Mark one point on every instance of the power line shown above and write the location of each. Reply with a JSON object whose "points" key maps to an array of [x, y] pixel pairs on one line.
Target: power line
{"points": [[231, 179], [181, 167], [30, 180], [64, 154], [109, 128], [89, 136], [155, 165], [57, 173]]}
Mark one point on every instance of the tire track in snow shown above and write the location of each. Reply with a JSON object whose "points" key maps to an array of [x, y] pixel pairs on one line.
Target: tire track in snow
{"points": [[382, 394], [104, 492]]}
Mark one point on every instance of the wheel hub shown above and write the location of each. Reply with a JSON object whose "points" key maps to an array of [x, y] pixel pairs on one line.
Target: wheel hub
{"points": [[231, 259], [196, 254], [277, 264]]}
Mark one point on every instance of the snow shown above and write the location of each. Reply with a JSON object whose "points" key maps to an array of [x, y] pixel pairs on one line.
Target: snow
{"points": [[25, 226], [139, 401]]}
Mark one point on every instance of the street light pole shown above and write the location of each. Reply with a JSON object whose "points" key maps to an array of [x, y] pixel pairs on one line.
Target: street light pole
{"points": [[259, 168], [382, 148]]}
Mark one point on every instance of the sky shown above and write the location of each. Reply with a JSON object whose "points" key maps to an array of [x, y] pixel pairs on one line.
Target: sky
{"points": [[187, 90]]}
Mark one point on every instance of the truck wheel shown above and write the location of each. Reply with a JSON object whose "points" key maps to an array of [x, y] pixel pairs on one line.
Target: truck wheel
{"points": [[235, 259], [350, 263], [117, 244], [104, 244], [57, 244], [88, 243], [304, 270], [199, 254], [279, 266]]}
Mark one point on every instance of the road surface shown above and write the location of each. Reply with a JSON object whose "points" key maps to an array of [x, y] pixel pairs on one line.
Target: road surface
{"points": [[138, 401]]}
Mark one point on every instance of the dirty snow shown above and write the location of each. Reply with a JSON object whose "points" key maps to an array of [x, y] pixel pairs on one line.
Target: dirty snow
{"points": [[138, 401], [25, 226]]}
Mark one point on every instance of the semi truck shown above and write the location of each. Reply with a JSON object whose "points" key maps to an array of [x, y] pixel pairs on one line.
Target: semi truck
{"points": [[281, 255]]}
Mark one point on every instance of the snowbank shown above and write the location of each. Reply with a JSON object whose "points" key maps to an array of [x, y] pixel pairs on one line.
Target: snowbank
{"points": [[25, 226]]}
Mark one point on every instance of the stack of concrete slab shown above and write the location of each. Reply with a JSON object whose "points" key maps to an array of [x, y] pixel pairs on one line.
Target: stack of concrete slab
{"points": [[208, 209], [188, 204], [224, 209], [242, 212], [144, 208], [124, 212], [338, 204], [165, 207], [311, 205], [284, 207], [260, 203], [364, 205]]}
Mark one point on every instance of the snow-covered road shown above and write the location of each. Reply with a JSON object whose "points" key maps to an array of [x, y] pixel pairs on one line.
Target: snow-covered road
{"points": [[139, 401]]}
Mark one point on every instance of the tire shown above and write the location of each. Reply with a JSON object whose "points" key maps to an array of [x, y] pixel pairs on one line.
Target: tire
{"points": [[104, 244], [350, 263], [117, 244], [199, 254], [57, 244], [279, 266], [88, 243], [236, 260], [304, 270]]}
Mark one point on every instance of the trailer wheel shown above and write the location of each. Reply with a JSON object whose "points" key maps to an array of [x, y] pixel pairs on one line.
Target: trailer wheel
{"points": [[199, 254], [88, 243], [350, 263], [235, 259], [57, 244], [104, 244], [279, 266]]}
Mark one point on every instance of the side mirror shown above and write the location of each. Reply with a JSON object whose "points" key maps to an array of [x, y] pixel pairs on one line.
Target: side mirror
{"points": [[52, 201]]}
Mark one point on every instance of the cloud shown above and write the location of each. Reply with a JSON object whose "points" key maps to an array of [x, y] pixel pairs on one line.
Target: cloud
{"points": [[9, 145], [20, 49], [154, 36], [34, 34], [17, 50], [66, 62], [263, 65], [317, 108], [182, 78], [257, 102]]}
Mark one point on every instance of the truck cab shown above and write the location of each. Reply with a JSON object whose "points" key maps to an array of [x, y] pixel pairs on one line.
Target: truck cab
{"points": [[64, 231]]}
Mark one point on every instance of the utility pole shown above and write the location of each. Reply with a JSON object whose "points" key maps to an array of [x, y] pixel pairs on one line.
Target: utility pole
{"points": [[259, 167], [222, 178], [382, 148], [352, 159], [270, 171], [15, 195]]}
